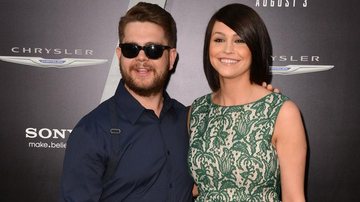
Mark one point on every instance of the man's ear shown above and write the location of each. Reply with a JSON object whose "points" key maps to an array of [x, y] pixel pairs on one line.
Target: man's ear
{"points": [[118, 52], [172, 54]]}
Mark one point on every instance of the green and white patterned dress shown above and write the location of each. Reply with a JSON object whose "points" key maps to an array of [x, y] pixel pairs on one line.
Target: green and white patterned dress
{"points": [[231, 157]]}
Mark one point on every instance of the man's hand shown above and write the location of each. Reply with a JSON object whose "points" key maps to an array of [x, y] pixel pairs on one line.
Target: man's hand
{"points": [[270, 87]]}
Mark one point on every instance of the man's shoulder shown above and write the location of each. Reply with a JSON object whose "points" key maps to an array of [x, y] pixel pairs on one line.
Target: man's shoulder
{"points": [[99, 115], [178, 105], [180, 108]]}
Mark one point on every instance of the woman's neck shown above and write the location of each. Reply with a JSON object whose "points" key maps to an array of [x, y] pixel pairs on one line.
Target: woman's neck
{"points": [[234, 93]]}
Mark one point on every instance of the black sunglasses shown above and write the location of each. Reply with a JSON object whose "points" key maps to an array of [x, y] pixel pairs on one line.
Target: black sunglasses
{"points": [[152, 51]]}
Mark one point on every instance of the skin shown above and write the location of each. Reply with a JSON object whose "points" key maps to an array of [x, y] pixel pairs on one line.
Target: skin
{"points": [[232, 59], [145, 72]]}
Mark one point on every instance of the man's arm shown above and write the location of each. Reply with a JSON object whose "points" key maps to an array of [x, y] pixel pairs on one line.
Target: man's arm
{"points": [[83, 166]]}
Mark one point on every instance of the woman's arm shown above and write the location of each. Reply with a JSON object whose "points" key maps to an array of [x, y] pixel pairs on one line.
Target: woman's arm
{"points": [[290, 143]]}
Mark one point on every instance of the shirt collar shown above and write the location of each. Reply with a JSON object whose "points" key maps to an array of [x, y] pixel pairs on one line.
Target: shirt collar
{"points": [[131, 108]]}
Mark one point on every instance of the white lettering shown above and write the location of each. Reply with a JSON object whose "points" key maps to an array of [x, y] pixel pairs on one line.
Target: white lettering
{"points": [[37, 50], [51, 145], [38, 144], [315, 58], [15, 49], [279, 3], [305, 3], [282, 58], [46, 133], [61, 133], [30, 133], [26, 50], [291, 58], [57, 51], [272, 3], [66, 52], [89, 52], [78, 52], [304, 58], [287, 3], [49, 51]]}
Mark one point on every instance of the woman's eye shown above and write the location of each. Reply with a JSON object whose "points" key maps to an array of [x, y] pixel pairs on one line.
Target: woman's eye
{"points": [[239, 41], [217, 40]]}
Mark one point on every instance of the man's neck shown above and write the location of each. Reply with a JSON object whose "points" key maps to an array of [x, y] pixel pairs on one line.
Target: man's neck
{"points": [[153, 102]]}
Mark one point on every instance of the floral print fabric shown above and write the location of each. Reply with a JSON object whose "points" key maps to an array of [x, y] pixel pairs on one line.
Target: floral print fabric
{"points": [[231, 157]]}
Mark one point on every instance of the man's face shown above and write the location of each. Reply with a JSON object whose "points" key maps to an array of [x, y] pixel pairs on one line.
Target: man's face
{"points": [[142, 75]]}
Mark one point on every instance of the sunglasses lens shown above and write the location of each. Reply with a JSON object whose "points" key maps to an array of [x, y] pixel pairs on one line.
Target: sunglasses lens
{"points": [[130, 50], [153, 51]]}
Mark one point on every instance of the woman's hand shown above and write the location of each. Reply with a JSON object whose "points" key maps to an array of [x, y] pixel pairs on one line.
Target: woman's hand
{"points": [[195, 191]]}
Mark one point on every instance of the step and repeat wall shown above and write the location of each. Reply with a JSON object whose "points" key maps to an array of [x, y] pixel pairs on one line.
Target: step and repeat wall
{"points": [[57, 63]]}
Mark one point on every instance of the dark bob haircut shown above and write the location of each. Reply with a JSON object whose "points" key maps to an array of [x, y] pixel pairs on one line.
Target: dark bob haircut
{"points": [[251, 28], [147, 12]]}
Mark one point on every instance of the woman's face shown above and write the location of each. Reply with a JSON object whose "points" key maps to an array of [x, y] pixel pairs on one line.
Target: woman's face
{"points": [[229, 54]]}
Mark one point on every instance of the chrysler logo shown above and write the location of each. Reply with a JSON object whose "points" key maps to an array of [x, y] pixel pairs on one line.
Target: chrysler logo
{"points": [[299, 69], [57, 63]]}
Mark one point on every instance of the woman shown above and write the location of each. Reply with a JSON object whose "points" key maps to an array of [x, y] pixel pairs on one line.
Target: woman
{"points": [[243, 136]]}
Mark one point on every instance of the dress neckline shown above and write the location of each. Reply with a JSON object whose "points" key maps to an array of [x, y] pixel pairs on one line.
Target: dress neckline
{"points": [[209, 100]]}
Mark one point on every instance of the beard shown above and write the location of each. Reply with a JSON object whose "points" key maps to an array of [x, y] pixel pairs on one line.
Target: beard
{"points": [[156, 86]]}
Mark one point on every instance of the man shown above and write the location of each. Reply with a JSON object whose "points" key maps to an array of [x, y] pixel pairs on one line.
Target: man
{"points": [[133, 147]]}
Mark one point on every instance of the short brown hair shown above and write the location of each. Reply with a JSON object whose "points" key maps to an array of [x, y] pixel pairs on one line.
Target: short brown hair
{"points": [[147, 12]]}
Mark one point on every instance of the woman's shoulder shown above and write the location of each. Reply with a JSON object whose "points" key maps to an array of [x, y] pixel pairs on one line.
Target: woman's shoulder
{"points": [[201, 104], [202, 99], [289, 109], [261, 93]]}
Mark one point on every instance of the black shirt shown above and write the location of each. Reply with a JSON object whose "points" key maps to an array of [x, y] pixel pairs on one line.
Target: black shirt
{"points": [[152, 165]]}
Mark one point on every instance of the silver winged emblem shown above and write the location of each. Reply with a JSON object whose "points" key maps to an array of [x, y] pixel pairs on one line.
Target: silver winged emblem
{"points": [[58, 63], [299, 69]]}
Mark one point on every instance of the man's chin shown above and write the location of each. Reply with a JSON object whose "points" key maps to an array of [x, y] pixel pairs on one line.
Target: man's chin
{"points": [[146, 92]]}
